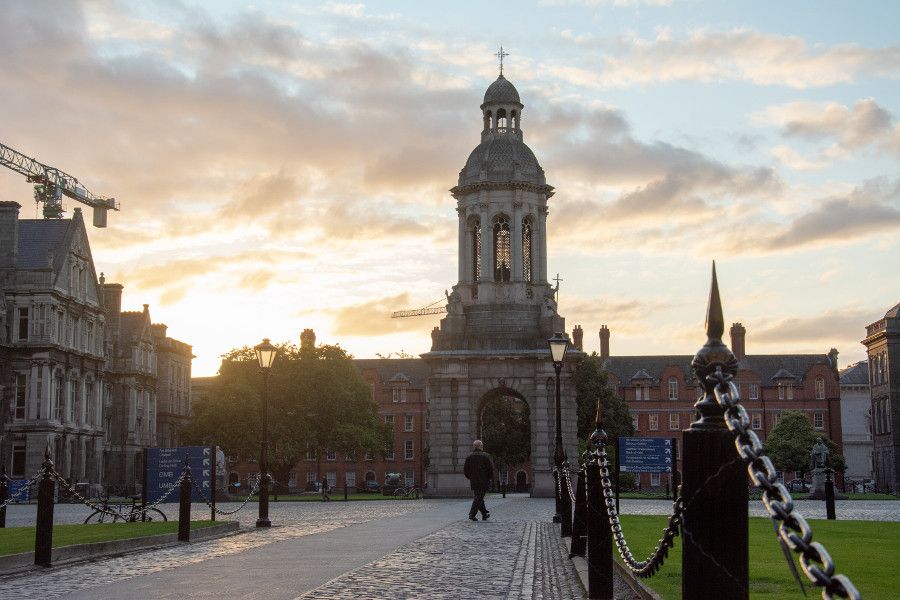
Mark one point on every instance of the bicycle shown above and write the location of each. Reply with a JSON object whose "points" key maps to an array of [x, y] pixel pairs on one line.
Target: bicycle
{"points": [[124, 513], [411, 492]]}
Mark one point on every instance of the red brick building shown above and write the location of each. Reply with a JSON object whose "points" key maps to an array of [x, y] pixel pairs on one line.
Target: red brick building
{"points": [[661, 391]]}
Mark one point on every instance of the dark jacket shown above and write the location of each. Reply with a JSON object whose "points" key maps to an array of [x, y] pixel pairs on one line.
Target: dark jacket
{"points": [[479, 470]]}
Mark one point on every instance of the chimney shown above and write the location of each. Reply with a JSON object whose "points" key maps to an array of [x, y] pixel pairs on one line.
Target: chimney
{"points": [[159, 330], [604, 342], [307, 340], [578, 337], [9, 234], [738, 346], [112, 302]]}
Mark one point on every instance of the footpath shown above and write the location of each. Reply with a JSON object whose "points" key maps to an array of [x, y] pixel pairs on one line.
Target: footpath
{"points": [[428, 550]]}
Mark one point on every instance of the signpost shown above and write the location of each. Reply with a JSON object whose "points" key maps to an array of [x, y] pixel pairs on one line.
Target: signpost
{"points": [[164, 466], [646, 455]]}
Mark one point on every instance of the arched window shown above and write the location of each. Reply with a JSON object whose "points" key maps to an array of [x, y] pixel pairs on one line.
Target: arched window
{"points": [[527, 230], [501, 249], [501, 118], [475, 228]]}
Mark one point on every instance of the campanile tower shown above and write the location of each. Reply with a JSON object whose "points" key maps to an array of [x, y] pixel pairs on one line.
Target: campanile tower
{"points": [[502, 310]]}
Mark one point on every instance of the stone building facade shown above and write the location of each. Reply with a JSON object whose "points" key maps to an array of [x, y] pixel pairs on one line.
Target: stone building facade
{"points": [[493, 342], [882, 344], [173, 385], [661, 390], [856, 422]]}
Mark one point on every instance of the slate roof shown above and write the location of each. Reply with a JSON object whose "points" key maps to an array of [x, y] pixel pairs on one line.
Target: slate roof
{"points": [[502, 91], [767, 366], [893, 312], [856, 374], [39, 236], [387, 368], [502, 158]]}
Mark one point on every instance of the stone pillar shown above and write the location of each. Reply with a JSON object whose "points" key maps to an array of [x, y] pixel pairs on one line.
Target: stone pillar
{"points": [[487, 244], [31, 407], [47, 391], [463, 246], [541, 245], [515, 241]]}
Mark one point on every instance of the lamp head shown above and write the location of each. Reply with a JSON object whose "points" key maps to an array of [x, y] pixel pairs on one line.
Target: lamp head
{"points": [[265, 354]]}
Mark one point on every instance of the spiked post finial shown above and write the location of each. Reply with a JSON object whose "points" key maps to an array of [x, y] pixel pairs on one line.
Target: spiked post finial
{"points": [[715, 322]]}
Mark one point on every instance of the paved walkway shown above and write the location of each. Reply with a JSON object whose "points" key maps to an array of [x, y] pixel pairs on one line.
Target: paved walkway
{"points": [[412, 549]]}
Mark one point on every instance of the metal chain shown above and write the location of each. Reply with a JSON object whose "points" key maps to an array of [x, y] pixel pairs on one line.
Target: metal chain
{"points": [[793, 529], [253, 489], [649, 566], [109, 511], [21, 491]]}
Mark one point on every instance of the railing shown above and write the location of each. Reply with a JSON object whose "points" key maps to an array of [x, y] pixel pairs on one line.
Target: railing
{"points": [[710, 509]]}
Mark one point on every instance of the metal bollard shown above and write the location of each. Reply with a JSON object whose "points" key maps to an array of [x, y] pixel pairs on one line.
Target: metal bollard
{"points": [[599, 538], [579, 524], [43, 530], [184, 505], [829, 496], [565, 504], [714, 478], [345, 491], [556, 481], [4, 496]]}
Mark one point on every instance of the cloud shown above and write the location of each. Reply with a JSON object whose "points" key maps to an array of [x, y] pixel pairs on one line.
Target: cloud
{"points": [[709, 56], [827, 328], [373, 318]]}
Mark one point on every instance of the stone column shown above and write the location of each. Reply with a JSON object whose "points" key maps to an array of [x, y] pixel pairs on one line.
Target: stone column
{"points": [[515, 241], [47, 390], [487, 243], [540, 246], [464, 247], [31, 408]]}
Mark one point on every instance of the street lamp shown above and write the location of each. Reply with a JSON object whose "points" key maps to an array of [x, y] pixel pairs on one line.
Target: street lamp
{"points": [[265, 354], [559, 343]]}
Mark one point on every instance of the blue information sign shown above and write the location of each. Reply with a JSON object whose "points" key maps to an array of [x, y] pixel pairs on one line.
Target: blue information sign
{"points": [[164, 467], [645, 455], [14, 486]]}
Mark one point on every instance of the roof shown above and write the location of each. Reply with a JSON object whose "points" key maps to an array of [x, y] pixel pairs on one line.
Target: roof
{"points": [[37, 237], [502, 92], [856, 374], [893, 312], [502, 158], [415, 369], [767, 366]]}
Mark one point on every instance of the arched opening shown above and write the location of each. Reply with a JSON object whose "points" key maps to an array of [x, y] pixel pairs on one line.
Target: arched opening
{"points": [[504, 425], [527, 234], [370, 475], [521, 481], [501, 118], [502, 258]]}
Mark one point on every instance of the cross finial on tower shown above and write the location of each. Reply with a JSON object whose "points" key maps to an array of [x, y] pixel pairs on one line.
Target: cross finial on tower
{"points": [[501, 55]]}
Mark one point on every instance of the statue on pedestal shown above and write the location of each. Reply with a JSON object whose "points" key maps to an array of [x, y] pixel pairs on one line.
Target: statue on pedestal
{"points": [[818, 455]]}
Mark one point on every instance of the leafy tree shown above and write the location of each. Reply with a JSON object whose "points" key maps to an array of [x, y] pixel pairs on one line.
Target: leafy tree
{"points": [[317, 400], [506, 430], [591, 384], [791, 442]]}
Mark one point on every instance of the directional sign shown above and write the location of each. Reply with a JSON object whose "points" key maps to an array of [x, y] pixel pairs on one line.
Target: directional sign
{"points": [[164, 467], [645, 455], [14, 486]]}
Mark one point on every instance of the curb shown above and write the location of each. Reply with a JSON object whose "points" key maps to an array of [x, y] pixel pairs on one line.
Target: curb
{"points": [[17, 563]]}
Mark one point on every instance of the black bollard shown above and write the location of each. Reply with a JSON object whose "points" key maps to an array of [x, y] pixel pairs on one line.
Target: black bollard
{"points": [[556, 481], [579, 523], [184, 505], [829, 496], [599, 538], [714, 481], [345, 491], [565, 504], [4, 496], [43, 530]]}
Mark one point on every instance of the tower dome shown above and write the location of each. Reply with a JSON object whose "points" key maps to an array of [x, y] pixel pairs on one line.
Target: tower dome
{"points": [[501, 92]]}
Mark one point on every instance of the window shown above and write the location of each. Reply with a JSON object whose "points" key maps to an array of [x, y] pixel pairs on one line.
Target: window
{"points": [[790, 392], [409, 478], [389, 421], [754, 391], [756, 421], [673, 388], [389, 453], [501, 249], [653, 419], [310, 454], [819, 420], [638, 393], [18, 460], [674, 421], [408, 453], [654, 479], [408, 423], [403, 394], [23, 323], [526, 249], [368, 456], [820, 388], [311, 477], [90, 401], [634, 421], [331, 476], [350, 478], [21, 396], [395, 394], [330, 455]]}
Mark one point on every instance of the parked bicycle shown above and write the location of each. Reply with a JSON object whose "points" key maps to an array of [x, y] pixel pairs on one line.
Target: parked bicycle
{"points": [[116, 512], [412, 493]]}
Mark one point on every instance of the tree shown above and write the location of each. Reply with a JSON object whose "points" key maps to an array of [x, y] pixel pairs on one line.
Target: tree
{"points": [[317, 401], [591, 384], [791, 441], [506, 430]]}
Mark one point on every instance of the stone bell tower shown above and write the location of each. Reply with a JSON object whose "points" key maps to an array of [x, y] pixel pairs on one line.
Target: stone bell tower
{"points": [[502, 310]]}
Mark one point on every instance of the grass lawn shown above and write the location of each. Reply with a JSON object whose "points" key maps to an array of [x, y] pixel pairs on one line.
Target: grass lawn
{"points": [[21, 539], [861, 550]]}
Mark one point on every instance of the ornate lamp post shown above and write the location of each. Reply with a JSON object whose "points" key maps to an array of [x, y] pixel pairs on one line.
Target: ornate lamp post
{"points": [[559, 343], [265, 354]]}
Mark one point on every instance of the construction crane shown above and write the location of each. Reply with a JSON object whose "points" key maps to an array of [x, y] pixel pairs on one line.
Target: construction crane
{"points": [[51, 185], [430, 309]]}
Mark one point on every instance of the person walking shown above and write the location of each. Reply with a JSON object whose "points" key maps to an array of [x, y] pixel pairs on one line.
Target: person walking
{"points": [[325, 496], [479, 470]]}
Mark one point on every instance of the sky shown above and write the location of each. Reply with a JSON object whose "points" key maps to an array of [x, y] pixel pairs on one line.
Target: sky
{"points": [[286, 165]]}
